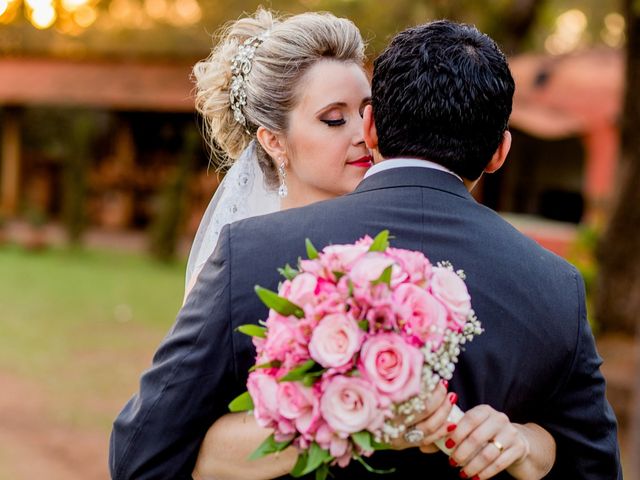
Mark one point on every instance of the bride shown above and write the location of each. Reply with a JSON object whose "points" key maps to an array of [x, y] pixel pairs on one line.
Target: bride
{"points": [[282, 101]]}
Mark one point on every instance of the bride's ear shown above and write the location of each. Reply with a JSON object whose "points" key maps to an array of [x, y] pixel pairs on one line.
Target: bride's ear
{"points": [[271, 142], [368, 124]]}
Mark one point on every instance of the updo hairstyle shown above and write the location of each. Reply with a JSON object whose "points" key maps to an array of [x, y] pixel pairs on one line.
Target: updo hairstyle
{"points": [[292, 45]]}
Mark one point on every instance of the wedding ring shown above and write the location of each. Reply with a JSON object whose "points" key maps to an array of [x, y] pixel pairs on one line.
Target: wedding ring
{"points": [[497, 444], [413, 436]]}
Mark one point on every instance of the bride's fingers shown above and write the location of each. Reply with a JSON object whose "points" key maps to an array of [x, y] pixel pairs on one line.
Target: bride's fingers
{"points": [[437, 426], [475, 430], [501, 460]]}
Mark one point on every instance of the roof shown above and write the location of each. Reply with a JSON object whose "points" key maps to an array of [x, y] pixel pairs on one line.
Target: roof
{"points": [[117, 85], [570, 95]]}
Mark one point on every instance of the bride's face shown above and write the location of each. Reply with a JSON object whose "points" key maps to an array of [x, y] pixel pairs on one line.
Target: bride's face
{"points": [[326, 153]]}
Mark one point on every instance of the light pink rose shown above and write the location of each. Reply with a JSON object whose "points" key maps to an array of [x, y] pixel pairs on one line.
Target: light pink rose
{"points": [[369, 268], [451, 290], [282, 336], [392, 365], [263, 389], [335, 340], [349, 405], [302, 290], [340, 258], [300, 404], [414, 266], [422, 316]]}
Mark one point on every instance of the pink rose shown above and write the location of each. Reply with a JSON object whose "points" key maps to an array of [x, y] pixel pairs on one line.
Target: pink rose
{"points": [[349, 405], [369, 268], [340, 258], [415, 267], [451, 290], [421, 315], [300, 404], [263, 389], [302, 290], [282, 338], [335, 340], [392, 365]]}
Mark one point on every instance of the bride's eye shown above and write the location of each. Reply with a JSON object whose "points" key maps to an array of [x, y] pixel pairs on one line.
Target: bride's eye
{"points": [[334, 123]]}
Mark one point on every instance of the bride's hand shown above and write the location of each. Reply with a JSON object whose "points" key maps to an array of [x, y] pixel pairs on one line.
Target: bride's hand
{"points": [[485, 442], [432, 422]]}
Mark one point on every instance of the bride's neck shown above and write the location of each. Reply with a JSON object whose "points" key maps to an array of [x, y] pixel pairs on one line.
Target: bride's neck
{"points": [[297, 199]]}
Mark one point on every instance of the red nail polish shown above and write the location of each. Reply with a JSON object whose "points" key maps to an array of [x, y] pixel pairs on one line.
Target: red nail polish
{"points": [[451, 427], [452, 462], [462, 474], [449, 443], [445, 383], [453, 398], [475, 477]]}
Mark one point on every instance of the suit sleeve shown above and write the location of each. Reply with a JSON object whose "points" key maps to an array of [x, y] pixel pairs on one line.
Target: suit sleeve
{"points": [[579, 416], [158, 433]]}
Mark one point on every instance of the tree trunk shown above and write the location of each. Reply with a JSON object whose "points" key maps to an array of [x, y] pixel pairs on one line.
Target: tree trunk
{"points": [[617, 306]]}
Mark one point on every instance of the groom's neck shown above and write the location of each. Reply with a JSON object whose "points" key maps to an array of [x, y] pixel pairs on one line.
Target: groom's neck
{"points": [[377, 158]]}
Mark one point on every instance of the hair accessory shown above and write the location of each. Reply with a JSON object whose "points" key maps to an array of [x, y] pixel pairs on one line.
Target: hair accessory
{"points": [[240, 68], [283, 191]]}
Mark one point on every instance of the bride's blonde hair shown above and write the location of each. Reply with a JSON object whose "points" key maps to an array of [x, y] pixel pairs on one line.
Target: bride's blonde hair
{"points": [[291, 46]]}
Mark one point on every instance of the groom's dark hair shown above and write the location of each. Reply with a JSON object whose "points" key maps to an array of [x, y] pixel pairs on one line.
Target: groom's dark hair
{"points": [[442, 91]]}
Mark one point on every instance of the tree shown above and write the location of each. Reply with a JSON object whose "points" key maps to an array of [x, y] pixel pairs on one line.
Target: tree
{"points": [[617, 306]]}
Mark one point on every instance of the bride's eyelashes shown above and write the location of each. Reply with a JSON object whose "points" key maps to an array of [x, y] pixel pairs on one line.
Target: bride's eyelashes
{"points": [[334, 123]]}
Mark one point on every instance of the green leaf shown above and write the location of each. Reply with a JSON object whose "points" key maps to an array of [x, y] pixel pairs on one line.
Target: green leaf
{"points": [[317, 457], [364, 325], [380, 445], [381, 242], [299, 372], [370, 468], [312, 253], [288, 272], [385, 276], [311, 377], [337, 274], [273, 364], [253, 330], [279, 304], [300, 465], [241, 403], [363, 440], [269, 446], [322, 472]]}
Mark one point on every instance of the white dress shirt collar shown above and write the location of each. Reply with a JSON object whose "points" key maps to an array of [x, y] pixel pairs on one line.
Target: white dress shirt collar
{"points": [[407, 162]]}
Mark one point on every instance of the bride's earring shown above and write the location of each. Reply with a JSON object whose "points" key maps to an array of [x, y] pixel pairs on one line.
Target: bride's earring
{"points": [[282, 190]]}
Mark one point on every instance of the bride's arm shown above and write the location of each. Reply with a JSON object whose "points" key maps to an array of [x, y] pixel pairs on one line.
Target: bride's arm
{"points": [[227, 446]]}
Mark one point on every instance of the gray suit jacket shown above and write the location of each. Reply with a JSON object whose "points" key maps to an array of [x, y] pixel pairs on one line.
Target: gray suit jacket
{"points": [[536, 360]]}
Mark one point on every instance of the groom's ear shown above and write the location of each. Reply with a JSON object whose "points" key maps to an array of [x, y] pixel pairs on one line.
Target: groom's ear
{"points": [[272, 143], [369, 125], [501, 153]]}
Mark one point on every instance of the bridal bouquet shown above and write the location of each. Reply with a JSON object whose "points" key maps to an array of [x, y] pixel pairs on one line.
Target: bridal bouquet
{"points": [[357, 336]]}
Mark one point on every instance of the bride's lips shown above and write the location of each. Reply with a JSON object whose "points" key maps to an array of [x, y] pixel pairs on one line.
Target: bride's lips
{"points": [[364, 162]]}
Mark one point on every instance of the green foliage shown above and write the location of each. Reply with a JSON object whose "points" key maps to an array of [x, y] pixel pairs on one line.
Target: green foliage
{"points": [[279, 304], [582, 255], [270, 445]]}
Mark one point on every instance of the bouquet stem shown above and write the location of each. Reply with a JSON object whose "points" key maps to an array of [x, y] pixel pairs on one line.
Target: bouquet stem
{"points": [[454, 417]]}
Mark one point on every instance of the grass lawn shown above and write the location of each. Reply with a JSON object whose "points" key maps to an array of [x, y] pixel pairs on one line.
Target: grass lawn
{"points": [[83, 325]]}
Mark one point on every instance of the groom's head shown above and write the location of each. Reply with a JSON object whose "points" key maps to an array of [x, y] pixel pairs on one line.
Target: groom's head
{"points": [[442, 92]]}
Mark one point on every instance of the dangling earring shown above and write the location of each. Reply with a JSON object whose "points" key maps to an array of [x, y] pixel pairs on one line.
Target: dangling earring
{"points": [[282, 190]]}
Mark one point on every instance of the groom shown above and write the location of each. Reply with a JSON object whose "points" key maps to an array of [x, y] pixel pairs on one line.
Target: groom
{"points": [[442, 97]]}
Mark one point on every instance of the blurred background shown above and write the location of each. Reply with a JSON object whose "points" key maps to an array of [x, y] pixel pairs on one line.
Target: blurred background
{"points": [[104, 178]]}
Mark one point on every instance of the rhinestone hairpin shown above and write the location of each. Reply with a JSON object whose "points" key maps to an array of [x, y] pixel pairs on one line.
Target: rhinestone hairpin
{"points": [[240, 68]]}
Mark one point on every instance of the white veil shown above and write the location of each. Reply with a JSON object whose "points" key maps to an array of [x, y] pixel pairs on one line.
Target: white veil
{"points": [[243, 193]]}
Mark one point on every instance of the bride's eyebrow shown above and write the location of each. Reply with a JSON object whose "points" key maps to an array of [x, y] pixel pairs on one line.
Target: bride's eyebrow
{"points": [[330, 106]]}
